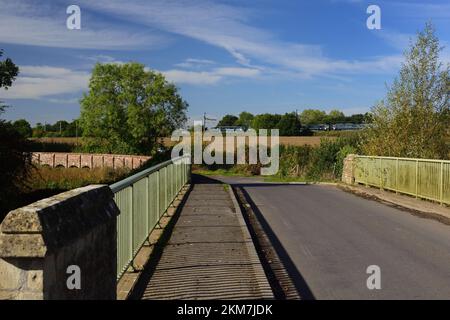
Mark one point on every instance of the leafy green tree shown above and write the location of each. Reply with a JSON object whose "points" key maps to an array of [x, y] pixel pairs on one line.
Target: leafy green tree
{"points": [[355, 118], [128, 108], [413, 120], [23, 127], [228, 120], [266, 121], [334, 116], [245, 119], [289, 125], [312, 116], [8, 73]]}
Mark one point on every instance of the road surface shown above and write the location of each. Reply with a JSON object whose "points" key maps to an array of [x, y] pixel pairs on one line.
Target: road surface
{"points": [[331, 237]]}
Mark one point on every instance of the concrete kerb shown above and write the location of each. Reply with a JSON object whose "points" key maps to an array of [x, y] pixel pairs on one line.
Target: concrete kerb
{"points": [[422, 208], [127, 282], [261, 277]]}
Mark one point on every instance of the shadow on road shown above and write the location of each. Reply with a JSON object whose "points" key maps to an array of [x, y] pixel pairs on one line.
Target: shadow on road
{"points": [[299, 282], [295, 277]]}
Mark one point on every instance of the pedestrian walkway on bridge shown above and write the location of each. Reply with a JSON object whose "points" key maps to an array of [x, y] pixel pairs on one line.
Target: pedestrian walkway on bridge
{"points": [[210, 253]]}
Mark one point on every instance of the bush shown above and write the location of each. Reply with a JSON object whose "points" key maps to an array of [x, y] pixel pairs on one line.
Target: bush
{"points": [[15, 164]]}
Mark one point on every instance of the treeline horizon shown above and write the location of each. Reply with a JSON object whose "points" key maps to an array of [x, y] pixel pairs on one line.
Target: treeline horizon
{"points": [[289, 125]]}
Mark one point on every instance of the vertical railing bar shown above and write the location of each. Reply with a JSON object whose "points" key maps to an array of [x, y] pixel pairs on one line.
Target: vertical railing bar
{"points": [[417, 178], [396, 176], [147, 204], [158, 205], [131, 223], [441, 185]]}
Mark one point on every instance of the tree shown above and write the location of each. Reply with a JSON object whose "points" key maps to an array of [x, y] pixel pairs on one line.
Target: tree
{"points": [[128, 108], [312, 116], [413, 119], [289, 125], [266, 121], [8, 73], [14, 159], [334, 116], [23, 127], [245, 119], [228, 120]]}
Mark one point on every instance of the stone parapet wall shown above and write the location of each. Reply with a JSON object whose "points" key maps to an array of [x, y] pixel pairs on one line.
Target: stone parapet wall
{"points": [[348, 171], [40, 243]]}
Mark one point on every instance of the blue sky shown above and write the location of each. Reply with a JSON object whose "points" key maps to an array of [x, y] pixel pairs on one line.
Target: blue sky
{"points": [[225, 56]]}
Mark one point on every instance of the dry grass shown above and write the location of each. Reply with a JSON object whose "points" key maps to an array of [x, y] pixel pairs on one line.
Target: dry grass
{"points": [[64, 140], [292, 141], [42, 178]]}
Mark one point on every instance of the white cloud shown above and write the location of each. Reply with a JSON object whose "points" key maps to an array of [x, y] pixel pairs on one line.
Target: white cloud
{"points": [[228, 27], [194, 63], [208, 77], [191, 77], [39, 24], [35, 82]]}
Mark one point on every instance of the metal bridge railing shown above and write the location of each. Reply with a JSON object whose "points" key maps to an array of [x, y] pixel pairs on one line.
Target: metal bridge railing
{"points": [[142, 199], [422, 178]]}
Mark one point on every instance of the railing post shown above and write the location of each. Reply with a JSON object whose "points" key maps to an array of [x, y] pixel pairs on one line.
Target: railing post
{"points": [[417, 178], [158, 198], [166, 189], [381, 174], [147, 203], [441, 184], [396, 176], [131, 230]]}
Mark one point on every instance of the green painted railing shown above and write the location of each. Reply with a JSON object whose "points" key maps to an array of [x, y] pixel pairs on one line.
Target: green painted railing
{"points": [[142, 199], [422, 178]]}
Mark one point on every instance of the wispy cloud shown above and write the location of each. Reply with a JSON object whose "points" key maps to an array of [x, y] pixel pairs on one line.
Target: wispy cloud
{"points": [[39, 24], [37, 82], [229, 28], [194, 63], [209, 77]]}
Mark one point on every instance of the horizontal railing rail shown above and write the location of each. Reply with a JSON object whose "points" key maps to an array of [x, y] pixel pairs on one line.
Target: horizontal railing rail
{"points": [[423, 178], [143, 198]]}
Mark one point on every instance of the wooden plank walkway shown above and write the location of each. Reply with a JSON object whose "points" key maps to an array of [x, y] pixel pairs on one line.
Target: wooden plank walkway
{"points": [[210, 254]]}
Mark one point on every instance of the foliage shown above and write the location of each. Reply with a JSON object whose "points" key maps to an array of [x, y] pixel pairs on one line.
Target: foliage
{"points": [[266, 121], [128, 108], [289, 125], [245, 119], [228, 121], [14, 160], [413, 120], [44, 177], [23, 127], [8, 73], [15, 163], [312, 116], [60, 128]]}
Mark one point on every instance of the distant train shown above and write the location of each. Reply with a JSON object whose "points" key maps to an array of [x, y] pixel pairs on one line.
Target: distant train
{"points": [[337, 126]]}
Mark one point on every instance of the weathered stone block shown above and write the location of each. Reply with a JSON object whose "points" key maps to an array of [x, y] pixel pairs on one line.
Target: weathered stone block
{"points": [[40, 241], [348, 171]]}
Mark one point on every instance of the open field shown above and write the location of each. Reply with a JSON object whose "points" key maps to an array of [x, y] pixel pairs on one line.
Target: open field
{"points": [[293, 141], [65, 140]]}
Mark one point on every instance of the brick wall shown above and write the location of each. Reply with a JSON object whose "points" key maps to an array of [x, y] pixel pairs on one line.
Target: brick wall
{"points": [[84, 160]]}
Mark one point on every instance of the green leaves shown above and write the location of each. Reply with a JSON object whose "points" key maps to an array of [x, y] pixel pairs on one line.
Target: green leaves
{"points": [[413, 120], [128, 108]]}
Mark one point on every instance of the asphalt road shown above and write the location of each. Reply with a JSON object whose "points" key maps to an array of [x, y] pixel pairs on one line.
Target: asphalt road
{"points": [[331, 237]]}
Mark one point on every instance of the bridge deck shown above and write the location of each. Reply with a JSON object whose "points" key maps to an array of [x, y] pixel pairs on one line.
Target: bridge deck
{"points": [[210, 254]]}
